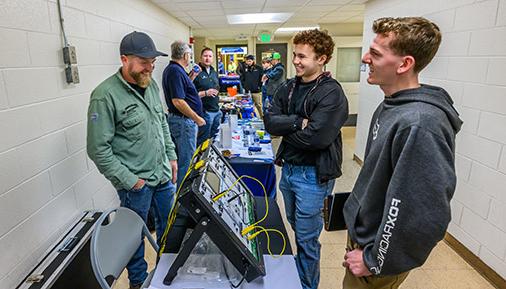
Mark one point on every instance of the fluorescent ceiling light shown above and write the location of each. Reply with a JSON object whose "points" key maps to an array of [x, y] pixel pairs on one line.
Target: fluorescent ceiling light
{"points": [[296, 29], [253, 18]]}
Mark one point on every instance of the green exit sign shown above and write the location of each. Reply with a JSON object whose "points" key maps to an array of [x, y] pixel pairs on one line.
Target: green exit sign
{"points": [[265, 37]]}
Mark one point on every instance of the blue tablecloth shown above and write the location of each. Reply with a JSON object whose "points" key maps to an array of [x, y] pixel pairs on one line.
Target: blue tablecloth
{"points": [[263, 170], [259, 165], [229, 80]]}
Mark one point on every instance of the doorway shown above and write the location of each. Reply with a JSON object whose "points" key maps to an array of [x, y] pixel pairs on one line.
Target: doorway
{"points": [[230, 56], [266, 49]]}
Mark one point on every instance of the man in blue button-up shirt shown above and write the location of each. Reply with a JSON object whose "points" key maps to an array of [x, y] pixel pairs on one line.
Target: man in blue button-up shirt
{"points": [[185, 106]]}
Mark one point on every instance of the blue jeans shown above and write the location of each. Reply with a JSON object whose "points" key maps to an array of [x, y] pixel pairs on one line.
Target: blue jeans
{"points": [[184, 135], [210, 129], [160, 198], [303, 197]]}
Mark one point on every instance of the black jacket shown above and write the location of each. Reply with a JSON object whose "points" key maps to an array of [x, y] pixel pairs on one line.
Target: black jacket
{"points": [[400, 206], [251, 78], [326, 107]]}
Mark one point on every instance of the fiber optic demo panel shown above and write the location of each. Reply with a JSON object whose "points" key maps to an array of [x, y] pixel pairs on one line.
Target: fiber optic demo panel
{"points": [[222, 206]]}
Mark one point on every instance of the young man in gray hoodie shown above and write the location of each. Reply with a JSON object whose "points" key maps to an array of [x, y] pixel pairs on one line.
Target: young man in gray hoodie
{"points": [[400, 206]]}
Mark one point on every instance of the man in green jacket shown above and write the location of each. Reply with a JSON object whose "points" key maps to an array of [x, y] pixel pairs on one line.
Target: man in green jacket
{"points": [[129, 140]]}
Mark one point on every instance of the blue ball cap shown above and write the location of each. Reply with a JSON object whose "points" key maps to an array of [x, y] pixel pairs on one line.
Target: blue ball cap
{"points": [[139, 44]]}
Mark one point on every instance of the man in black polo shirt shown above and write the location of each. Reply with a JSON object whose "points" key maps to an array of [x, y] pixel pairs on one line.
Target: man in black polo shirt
{"points": [[185, 106], [208, 86]]}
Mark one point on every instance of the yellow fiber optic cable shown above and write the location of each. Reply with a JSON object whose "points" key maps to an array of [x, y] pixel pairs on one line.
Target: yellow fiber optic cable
{"points": [[266, 231]]}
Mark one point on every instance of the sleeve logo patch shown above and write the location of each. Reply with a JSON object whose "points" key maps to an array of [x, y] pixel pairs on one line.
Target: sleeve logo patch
{"points": [[94, 116]]}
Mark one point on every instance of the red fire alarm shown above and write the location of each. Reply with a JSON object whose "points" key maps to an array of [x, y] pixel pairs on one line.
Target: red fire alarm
{"points": [[191, 39]]}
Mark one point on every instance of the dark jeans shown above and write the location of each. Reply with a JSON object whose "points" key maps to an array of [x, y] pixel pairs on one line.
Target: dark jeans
{"points": [[210, 129], [184, 134], [160, 198]]}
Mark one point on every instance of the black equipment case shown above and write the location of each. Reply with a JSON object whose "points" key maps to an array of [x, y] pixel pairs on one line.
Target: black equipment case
{"points": [[67, 265]]}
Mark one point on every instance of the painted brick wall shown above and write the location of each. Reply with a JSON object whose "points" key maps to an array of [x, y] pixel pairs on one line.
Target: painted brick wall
{"points": [[470, 66], [46, 178]]}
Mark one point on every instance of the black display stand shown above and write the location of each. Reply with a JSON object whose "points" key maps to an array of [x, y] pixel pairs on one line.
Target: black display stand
{"points": [[247, 261], [186, 250]]}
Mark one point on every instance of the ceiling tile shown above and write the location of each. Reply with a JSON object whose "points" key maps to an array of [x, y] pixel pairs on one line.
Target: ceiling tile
{"points": [[266, 27], [168, 6], [335, 19], [309, 14], [162, 1], [189, 21], [213, 30], [214, 13], [281, 9], [192, 1], [320, 8], [305, 21], [178, 14], [187, 6], [329, 2], [283, 3], [208, 17], [356, 19], [211, 20], [332, 20], [343, 14], [242, 26], [243, 4], [352, 7], [233, 11], [297, 23]]}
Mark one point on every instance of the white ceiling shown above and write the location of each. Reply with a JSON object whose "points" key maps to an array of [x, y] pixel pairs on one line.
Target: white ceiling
{"points": [[208, 17]]}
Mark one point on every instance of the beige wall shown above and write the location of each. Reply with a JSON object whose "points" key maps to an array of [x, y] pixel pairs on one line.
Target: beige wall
{"points": [[350, 88], [214, 42], [343, 29], [199, 44], [46, 178]]}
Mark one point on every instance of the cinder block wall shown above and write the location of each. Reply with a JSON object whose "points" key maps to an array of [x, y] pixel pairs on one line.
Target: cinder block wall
{"points": [[470, 66], [46, 178]]}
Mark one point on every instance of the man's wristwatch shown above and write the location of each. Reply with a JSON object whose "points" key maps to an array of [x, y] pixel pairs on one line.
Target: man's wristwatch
{"points": [[205, 92]]}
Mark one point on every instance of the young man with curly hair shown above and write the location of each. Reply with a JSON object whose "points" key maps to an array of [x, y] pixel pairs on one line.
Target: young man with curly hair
{"points": [[400, 206], [308, 112]]}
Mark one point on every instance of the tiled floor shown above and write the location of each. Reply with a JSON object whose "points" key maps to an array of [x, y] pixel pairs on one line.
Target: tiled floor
{"points": [[443, 270]]}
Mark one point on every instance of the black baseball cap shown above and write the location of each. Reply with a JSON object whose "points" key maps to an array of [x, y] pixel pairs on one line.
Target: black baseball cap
{"points": [[250, 57], [139, 44]]}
